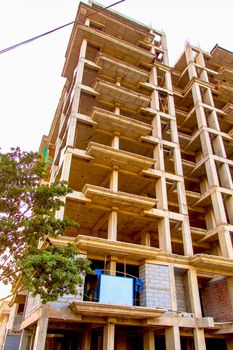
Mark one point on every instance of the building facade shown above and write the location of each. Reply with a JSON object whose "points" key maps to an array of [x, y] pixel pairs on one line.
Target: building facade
{"points": [[147, 149]]}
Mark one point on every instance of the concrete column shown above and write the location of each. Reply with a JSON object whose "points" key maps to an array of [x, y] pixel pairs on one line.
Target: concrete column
{"points": [[3, 330], [153, 79], [112, 226], [86, 339], [111, 265], [229, 206], [185, 227], [173, 125], [114, 179], [117, 109], [149, 340], [208, 97], [225, 176], [199, 339], [206, 143], [168, 83], [76, 97], [116, 140], [211, 172], [145, 238], [164, 235], [190, 60], [156, 126], [70, 141], [218, 207], [164, 46], [210, 219], [201, 61], [225, 243], [218, 147], [41, 333], [172, 338], [65, 174], [200, 112], [161, 193], [23, 340], [109, 335], [194, 297], [159, 157], [213, 120], [177, 161], [186, 237]]}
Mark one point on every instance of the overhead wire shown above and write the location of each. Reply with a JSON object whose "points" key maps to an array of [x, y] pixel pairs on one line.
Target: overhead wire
{"points": [[56, 29]]}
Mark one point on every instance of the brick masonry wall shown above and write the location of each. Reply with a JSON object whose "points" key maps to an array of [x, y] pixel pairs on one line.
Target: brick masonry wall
{"points": [[156, 287], [216, 301], [180, 292]]}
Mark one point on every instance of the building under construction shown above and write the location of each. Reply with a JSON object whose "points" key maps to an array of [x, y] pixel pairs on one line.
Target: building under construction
{"points": [[148, 151]]}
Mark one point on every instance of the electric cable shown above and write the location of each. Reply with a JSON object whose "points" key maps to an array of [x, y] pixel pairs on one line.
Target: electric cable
{"points": [[56, 29]]}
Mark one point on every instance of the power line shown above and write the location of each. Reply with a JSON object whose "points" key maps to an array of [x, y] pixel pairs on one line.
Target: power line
{"points": [[56, 29]]}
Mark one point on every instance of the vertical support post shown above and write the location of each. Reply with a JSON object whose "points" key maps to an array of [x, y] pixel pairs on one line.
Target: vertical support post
{"points": [[112, 226], [23, 345], [86, 339], [112, 265], [145, 238], [194, 297], [116, 140], [190, 62], [65, 174], [225, 243], [114, 179], [187, 238], [41, 332], [172, 338], [164, 235], [109, 335], [199, 339], [76, 98], [149, 340], [3, 332], [164, 46]]}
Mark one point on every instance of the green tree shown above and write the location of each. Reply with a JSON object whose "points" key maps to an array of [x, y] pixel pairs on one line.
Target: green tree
{"points": [[27, 208]]}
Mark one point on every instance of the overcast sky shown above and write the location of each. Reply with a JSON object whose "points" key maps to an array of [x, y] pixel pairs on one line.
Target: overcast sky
{"points": [[30, 76]]}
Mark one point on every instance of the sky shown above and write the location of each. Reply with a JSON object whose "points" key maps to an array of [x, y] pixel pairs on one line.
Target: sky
{"points": [[30, 76]]}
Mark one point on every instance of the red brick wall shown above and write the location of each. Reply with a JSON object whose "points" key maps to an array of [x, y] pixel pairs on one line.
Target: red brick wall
{"points": [[216, 301]]}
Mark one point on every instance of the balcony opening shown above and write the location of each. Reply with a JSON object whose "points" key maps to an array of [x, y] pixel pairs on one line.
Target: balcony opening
{"points": [[118, 287]]}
